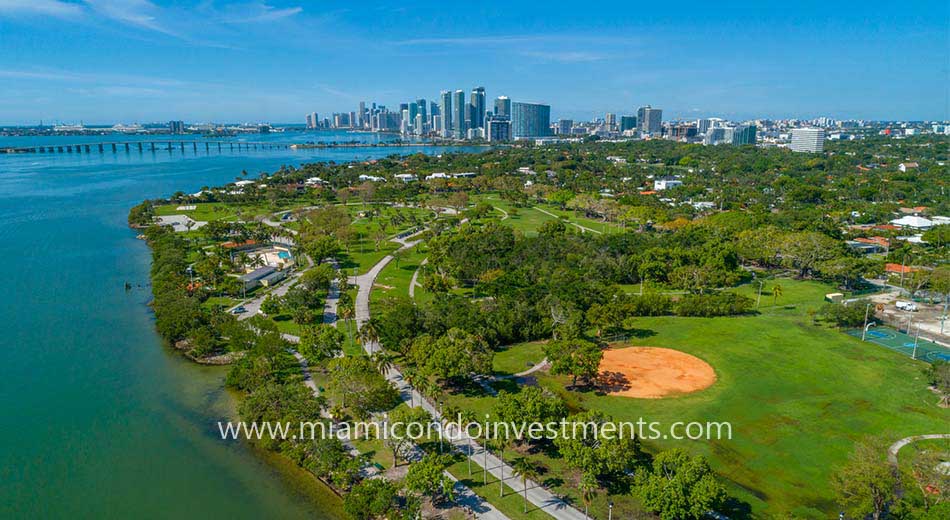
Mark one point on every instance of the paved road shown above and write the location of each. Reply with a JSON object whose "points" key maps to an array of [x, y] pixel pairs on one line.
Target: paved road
{"points": [[537, 495]]}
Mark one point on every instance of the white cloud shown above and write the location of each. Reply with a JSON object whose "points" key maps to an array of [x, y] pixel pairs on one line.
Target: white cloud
{"points": [[139, 13], [54, 8], [564, 56], [259, 12]]}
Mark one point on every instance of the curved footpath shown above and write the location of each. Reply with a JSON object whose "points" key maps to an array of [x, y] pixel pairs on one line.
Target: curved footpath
{"points": [[464, 497], [896, 447], [537, 495]]}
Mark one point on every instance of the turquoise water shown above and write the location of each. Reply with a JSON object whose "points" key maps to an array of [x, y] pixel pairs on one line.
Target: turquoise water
{"points": [[98, 418]]}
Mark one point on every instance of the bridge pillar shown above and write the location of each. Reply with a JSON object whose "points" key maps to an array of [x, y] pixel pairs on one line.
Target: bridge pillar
{"points": [[87, 148], [100, 148], [153, 146], [113, 148], [194, 147]]}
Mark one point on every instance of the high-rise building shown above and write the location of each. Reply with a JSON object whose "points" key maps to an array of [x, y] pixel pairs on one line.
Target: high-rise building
{"points": [[744, 134], [313, 120], [176, 127], [413, 112], [628, 123], [530, 120], [650, 119], [459, 117], [714, 135], [702, 125], [361, 117], [610, 120], [497, 128], [565, 126], [446, 113], [808, 140], [478, 107], [503, 106]]}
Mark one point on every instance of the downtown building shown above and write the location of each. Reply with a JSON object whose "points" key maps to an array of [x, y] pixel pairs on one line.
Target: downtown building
{"points": [[530, 120], [497, 128], [650, 119]]}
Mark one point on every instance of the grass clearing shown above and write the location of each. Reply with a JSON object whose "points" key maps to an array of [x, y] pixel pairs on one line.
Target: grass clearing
{"points": [[797, 396], [519, 357]]}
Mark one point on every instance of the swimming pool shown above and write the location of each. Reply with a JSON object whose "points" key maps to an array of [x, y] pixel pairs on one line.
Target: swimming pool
{"points": [[284, 255]]}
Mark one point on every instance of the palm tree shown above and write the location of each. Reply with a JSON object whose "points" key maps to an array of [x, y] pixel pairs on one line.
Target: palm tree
{"points": [[467, 417], [384, 361], [588, 488], [525, 469], [369, 333], [412, 378], [346, 312], [502, 444], [776, 292]]}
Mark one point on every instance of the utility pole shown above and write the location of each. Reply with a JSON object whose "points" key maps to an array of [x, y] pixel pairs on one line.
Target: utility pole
{"points": [[759, 298]]}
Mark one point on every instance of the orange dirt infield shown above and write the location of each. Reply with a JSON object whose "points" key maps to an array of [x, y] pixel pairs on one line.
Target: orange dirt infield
{"points": [[653, 372]]}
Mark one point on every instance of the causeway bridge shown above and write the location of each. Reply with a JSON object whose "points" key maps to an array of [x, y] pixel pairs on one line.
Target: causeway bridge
{"points": [[145, 146]]}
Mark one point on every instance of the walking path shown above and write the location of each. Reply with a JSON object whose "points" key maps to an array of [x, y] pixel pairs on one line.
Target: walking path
{"points": [[537, 495], [582, 228], [896, 447], [415, 278]]}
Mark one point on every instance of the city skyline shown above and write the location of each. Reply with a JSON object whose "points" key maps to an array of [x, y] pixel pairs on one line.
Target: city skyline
{"points": [[141, 61]]}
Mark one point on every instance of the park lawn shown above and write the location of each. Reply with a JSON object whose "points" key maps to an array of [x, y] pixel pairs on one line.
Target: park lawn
{"points": [[286, 324], [222, 302], [570, 216], [394, 279], [797, 396], [519, 357], [526, 220], [363, 254]]}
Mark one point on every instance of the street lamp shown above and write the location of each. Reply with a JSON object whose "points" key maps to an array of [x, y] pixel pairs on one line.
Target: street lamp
{"points": [[867, 310], [759, 297], [610, 510], [916, 339]]}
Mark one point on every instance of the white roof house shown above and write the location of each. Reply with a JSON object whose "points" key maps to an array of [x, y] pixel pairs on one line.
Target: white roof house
{"points": [[666, 183], [364, 177], [405, 177], [243, 183], [913, 221], [437, 175]]}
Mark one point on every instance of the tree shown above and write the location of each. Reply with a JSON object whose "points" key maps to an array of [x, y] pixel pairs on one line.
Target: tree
{"points": [[321, 342], [355, 384], [530, 405], [399, 420], [866, 484], [776, 293], [525, 469], [371, 498], [680, 487], [271, 305], [938, 375], [455, 355], [575, 357], [596, 451], [588, 487], [384, 361], [805, 250], [427, 477]]}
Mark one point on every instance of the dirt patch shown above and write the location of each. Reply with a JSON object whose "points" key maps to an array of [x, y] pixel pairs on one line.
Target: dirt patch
{"points": [[653, 372]]}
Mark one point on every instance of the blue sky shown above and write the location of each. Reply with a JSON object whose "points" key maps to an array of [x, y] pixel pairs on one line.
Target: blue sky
{"points": [[103, 61]]}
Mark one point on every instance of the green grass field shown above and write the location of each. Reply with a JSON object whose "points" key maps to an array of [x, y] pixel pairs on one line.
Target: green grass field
{"points": [[517, 358], [797, 396]]}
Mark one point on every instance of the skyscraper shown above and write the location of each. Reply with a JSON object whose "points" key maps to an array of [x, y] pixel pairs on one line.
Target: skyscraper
{"points": [[744, 134], [565, 126], [650, 119], [610, 120], [530, 120], [361, 117], [460, 115], [503, 106], [478, 107], [446, 112], [313, 120], [808, 140], [702, 125], [628, 123], [497, 128]]}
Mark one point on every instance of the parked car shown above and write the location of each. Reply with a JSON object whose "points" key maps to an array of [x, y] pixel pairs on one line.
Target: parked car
{"points": [[906, 306], [238, 310]]}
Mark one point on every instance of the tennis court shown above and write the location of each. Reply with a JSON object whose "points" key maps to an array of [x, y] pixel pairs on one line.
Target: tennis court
{"points": [[903, 343]]}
